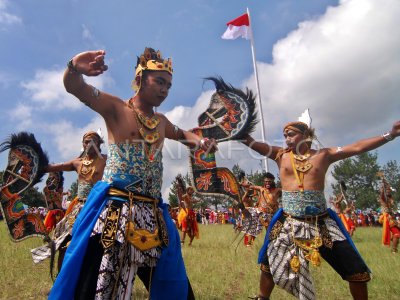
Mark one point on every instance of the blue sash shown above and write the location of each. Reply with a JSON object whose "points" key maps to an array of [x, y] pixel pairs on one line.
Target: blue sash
{"points": [[169, 279]]}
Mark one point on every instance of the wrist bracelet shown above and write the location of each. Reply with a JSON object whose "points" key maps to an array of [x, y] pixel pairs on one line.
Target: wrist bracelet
{"points": [[71, 67], [388, 136]]}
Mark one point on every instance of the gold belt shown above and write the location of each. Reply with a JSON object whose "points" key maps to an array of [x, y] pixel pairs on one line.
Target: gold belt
{"points": [[141, 239], [131, 196]]}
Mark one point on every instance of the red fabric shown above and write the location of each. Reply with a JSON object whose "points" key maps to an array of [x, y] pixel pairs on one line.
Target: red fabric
{"points": [[52, 218], [350, 223], [385, 230], [240, 21], [189, 224], [395, 231]]}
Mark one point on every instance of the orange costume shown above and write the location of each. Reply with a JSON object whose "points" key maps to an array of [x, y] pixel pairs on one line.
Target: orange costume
{"points": [[345, 214], [187, 222], [390, 226]]}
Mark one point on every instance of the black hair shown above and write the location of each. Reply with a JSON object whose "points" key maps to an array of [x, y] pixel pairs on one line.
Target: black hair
{"points": [[268, 175]]}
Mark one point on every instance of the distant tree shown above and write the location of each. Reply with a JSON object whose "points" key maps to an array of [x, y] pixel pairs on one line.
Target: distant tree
{"points": [[32, 197], [256, 178], [237, 170], [359, 173], [391, 171], [173, 199], [73, 190], [173, 196]]}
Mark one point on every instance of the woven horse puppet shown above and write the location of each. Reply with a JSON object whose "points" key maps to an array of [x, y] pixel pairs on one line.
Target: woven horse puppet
{"points": [[53, 193], [25, 168], [230, 115]]}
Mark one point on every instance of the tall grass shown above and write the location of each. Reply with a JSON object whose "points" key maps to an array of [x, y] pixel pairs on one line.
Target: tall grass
{"points": [[216, 268]]}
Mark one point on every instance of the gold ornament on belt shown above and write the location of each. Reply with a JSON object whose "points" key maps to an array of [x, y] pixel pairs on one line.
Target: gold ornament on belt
{"points": [[295, 264], [111, 226], [142, 239], [310, 249]]}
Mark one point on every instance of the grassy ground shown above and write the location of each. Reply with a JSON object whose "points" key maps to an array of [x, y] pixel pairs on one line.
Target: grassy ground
{"points": [[215, 269]]}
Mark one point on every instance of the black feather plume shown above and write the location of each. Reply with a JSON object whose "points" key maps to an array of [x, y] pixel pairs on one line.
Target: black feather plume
{"points": [[248, 96], [27, 139]]}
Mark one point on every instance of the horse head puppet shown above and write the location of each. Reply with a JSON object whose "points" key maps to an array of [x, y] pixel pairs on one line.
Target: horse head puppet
{"points": [[53, 193], [25, 168], [230, 115]]}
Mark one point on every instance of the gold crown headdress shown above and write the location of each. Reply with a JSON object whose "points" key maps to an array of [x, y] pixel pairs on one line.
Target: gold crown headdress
{"points": [[150, 60]]}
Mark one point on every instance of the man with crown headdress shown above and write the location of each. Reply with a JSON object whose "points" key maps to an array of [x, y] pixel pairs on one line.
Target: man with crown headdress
{"points": [[304, 229], [125, 229], [89, 167]]}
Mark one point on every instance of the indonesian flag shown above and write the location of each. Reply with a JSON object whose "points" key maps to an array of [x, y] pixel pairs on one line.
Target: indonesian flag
{"points": [[239, 27]]}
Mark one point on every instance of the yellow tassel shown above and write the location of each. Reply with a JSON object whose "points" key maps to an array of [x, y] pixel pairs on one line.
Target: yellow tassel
{"points": [[315, 258], [295, 264]]}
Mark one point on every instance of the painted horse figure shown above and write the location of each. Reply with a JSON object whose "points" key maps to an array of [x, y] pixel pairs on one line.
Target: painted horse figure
{"points": [[230, 115], [25, 168], [53, 193]]}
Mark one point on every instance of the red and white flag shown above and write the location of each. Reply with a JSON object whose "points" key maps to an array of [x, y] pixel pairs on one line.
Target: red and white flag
{"points": [[239, 27]]}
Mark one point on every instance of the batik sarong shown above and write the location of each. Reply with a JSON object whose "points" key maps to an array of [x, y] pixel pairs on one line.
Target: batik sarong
{"points": [[288, 236]]}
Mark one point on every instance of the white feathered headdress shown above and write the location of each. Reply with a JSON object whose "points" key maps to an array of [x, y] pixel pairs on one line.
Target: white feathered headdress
{"points": [[306, 118]]}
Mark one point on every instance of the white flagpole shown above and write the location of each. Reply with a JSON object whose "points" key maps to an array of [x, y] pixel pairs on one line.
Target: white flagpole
{"points": [[253, 52]]}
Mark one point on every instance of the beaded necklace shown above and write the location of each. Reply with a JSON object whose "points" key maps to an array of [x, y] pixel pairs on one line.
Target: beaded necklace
{"points": [[151, 134]]}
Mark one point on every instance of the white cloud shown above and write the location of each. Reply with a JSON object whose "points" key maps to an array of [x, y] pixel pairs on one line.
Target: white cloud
{"points": [[47, 89], [6, 79], [90, 38], [344, 66], [68, 138], [7, 18], [23, 115], [86, 33]]}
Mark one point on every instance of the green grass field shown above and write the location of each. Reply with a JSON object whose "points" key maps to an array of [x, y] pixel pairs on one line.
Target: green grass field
{"points": [[215, 269]]}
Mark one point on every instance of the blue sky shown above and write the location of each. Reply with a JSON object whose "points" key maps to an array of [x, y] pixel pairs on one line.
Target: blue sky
{"points": [[338, 58]]}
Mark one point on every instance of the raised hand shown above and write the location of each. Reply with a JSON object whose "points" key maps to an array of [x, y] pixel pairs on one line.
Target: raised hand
{"points": [[209, 145], [90, 63], [395, 129]]}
